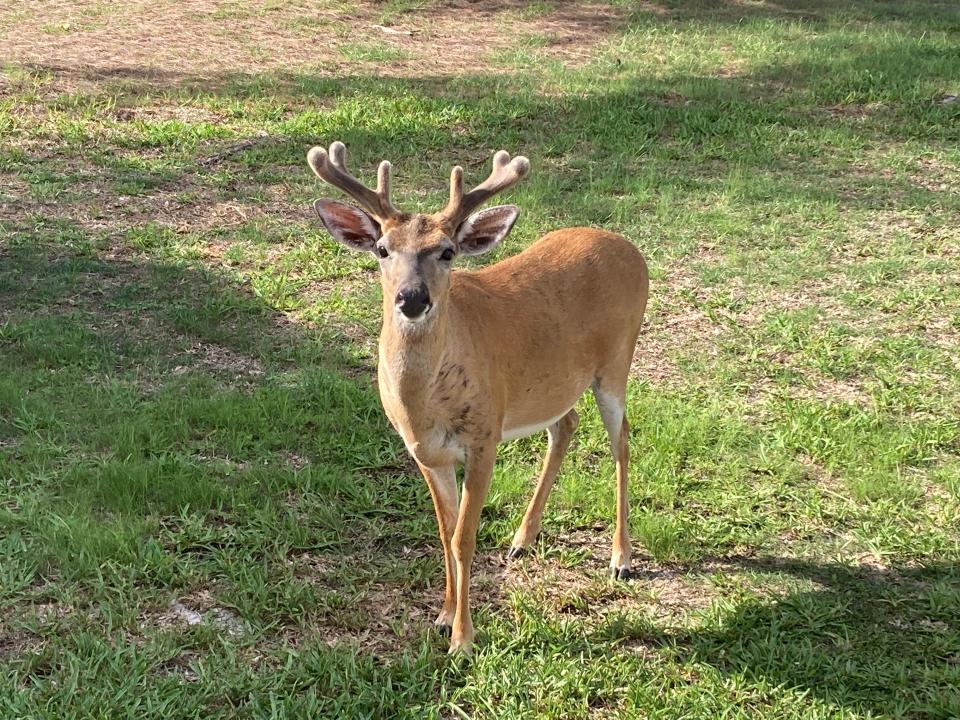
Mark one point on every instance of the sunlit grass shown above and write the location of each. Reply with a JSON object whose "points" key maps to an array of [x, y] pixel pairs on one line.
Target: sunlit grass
{"points": [[187, 412]]}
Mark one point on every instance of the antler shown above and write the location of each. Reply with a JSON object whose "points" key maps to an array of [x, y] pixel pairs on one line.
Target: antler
{"points": [[332, 168], [506, 173]]}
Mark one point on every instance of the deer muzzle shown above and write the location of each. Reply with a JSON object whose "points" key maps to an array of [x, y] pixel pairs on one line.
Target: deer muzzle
{"points": [[414, 301]]}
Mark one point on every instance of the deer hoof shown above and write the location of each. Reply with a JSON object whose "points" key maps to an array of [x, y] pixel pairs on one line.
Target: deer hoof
{"points": [[621, 573], [515, 553], [443, 630]]}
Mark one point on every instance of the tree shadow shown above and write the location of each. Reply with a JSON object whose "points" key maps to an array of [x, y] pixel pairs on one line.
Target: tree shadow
{"points": [[885, 641], [282, 467], [811, 11], [130, 335], [186, 302], [879, 640], [682, 134]]}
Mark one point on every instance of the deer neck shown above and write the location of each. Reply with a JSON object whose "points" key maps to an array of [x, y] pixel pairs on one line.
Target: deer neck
{"points": [[412, 359]]}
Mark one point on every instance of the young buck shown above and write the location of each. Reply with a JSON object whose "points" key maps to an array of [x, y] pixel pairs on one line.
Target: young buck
{"points": [[471, 359]]}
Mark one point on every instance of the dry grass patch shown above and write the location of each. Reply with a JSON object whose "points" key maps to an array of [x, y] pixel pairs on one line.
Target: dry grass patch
{"points": [[155, 42], [221, 360]]}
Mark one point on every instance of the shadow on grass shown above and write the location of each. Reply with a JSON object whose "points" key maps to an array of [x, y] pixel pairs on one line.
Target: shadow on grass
{"points": [[153, 386], [55, 268], [804, 129], [801, 127], [885, 641], [164, 435], [812, 11]]}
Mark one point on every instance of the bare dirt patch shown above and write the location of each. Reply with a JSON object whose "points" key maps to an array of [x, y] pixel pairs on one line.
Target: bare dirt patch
{"points": [[221, 360], [584, 590], [18, 643], [197, 609], [162, 43]]}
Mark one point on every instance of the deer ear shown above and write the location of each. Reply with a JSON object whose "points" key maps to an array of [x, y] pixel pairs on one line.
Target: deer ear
{"points": [[484, 230], [348, 224]]}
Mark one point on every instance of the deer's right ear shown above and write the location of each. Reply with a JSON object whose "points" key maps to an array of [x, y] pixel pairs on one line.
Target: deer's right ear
{"points": [[348, 224]]}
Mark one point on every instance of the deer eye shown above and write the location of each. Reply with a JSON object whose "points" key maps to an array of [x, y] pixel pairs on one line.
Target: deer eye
{"points": [[447, 255], [382, 251]]}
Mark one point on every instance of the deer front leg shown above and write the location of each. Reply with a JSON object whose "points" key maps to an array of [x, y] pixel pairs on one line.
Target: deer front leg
{"points": [[443, 489], [476, 483]]}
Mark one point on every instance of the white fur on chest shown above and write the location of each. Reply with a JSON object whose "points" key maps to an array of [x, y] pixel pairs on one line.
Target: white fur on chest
{"points": [[426, 438]]}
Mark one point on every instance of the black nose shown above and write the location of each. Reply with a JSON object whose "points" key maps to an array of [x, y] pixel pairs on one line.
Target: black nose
{"points": [[413, 302]]}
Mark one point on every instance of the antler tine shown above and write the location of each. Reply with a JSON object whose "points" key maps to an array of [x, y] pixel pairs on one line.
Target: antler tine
{"points": [[456, 190], [331, 166], [505, 174], [338, 155], [383, 179]]}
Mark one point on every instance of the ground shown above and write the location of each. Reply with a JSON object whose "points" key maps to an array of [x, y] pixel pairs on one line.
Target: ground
{"points": [[203, 512]]}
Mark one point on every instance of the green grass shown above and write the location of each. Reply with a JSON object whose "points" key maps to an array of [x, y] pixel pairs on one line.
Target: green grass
{"points": [[187, 412], [371, 52]]}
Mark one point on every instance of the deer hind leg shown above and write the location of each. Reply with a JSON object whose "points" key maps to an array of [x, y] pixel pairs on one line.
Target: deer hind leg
{"points": [[443, 489], [611, 401], [559, 435]]}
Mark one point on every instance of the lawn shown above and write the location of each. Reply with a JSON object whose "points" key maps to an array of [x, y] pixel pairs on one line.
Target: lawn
{"points": [[203, 511]]}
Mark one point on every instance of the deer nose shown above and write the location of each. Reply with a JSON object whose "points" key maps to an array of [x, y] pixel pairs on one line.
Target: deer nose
{"points": [[413, 302]]}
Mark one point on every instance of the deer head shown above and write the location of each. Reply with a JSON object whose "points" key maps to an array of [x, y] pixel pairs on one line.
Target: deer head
{"points": [[415, 252]]}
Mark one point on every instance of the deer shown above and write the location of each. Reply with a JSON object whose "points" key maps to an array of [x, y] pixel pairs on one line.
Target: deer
{"points": [[471, 359]]}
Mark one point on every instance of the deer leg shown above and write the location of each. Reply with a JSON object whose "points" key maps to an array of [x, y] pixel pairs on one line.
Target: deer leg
{"points": [[611, 403], [476, 483], [443, 489], [559, 435]]}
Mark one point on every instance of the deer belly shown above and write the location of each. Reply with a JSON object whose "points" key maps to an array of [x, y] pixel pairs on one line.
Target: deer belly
{"points": [[522, 431]]}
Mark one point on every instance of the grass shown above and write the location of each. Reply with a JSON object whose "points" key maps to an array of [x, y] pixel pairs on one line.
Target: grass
{"points": [[371, 53], [203, 512]]}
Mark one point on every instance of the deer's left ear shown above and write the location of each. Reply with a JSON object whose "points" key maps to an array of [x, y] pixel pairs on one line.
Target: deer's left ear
{"points": [[484, 230]]}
